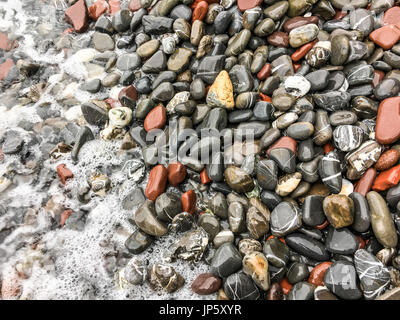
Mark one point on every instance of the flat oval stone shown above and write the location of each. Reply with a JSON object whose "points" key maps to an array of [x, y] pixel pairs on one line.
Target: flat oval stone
{"points": [[302, 35], [330, 172], [341, 279], [306, 150], [362, 220], [255, 265], [145, 218], [347, 137], [138, 242], [340, 50], [297, 271], [307, 246], [285, 218], [381, 220], [387, 128], [300, 130], [236, 217], [313, 213]]}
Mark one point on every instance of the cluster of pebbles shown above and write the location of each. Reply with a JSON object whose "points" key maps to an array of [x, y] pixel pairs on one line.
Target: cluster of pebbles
{"points": [[308, 209]]}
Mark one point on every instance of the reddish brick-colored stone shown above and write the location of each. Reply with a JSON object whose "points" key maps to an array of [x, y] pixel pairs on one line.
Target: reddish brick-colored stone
{"points": [[64, 173], [97, 9], [176, 173], [5, 68], [200, 11], [363, 186], [157, 182], [243, 5], [156, 118], [265, 72], [317, 274], [386, 37], [387, 179], [387, 160], [284, 142], [77, 16], [388, 121], [189, 201]]}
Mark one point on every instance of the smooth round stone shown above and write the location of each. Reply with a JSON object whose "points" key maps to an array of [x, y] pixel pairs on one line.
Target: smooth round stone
{"points": [[197, 89], [318, 79], [239, 286], [222, 21], [381, 220], [364, 107], [341, 279], [103, 42], [255, 265], [282, 66], [331, 25], [145, 218], [246, 100], [269, 137], [238, 180], [301, 291], [288, 184], [267, 174], [373, 274], [284, 158], [336, 81], [309, 170], [143, 85], [226, 260], [236, 217], [297, 86], [241, 78], [283, 102], [307, 246], [210, 224], [313, 213], [265, 27], [179, 60], [92, 86], [392, 59], [239, 116], [251, 129], [358, 73], [297, 271], [135, 272], [270, 84], [330, 172], [270, 199], [305, 151], [182, 222], [128, 61], [210, 67], [138, 242], [333, 100], [278, 39], [344, 117], [347, 137], [318, 56], [148, 48], [168, 206], [225, 236], [206, 283], [340, 46], [277, 10], [341, 241], [339, 209], [302, 35], [249, 245], [163, 92], [387, 88], [239, 43], [285, 218], [362, 220], [215, 170], [300, 130], [182, 28], [263, 110], [358, 50], [156, 63], [276, 252]]}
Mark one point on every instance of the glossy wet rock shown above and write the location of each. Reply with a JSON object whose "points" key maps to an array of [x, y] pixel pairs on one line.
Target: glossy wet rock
{"points": [[145, 218], [238, 180], [255, 264], [285, 218], [307, 246], [206, 283], [313, 214], [226, 261], [240, 286], [329, 171], [339, 210]]}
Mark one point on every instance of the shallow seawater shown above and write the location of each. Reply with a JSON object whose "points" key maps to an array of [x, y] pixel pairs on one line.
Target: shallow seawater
{"points": [[54, 262]]}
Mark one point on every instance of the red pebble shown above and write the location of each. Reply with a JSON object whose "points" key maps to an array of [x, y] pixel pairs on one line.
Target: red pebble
{"points": [[378, 77], [265, 72], [364, 185], [243, 5], [77, 15], [284, 142], [386, 37], [387, 160], [156, 118], [387, 179], [296, 66], [157, 182], [392, 16], [5, 68], [129, 93], [200, 11], [361, 242], [302, 51], [286, 286], [323, 226], [317, 274], [114, 6], [387, 128], [64, 216], [204, 177], [189, 201], [264, 97], [176, 173], [328, 147], [64, 173], [97, 9], [3, 41], [339, 14], [134, 5]]}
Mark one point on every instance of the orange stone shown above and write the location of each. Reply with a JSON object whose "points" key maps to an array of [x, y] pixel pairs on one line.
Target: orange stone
{"points": [[97, 9], [363, 186], [387, 160], [317, 274], [296, 66], [156, 118], [386, 37], [64, 173], [189, 201], [392, 16], [323, 226], [5, 68], [200, 11], [361, 242], [328, 147], [157, 182], [388, 121], [176, 173], [378, 77], [265, 72], [387, 179], [204, 177], [264, 97], [284, 142], [77, 15], [286, 286], [302, 51]]}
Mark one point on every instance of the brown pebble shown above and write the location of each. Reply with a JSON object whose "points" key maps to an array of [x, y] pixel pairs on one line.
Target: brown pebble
{"points": [[206, 283], [387, 160]]}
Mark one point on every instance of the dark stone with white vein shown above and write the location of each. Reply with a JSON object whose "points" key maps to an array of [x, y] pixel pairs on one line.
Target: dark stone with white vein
{"points": [[330, 173], [285, 218], [347, 137], [240, 286]]}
